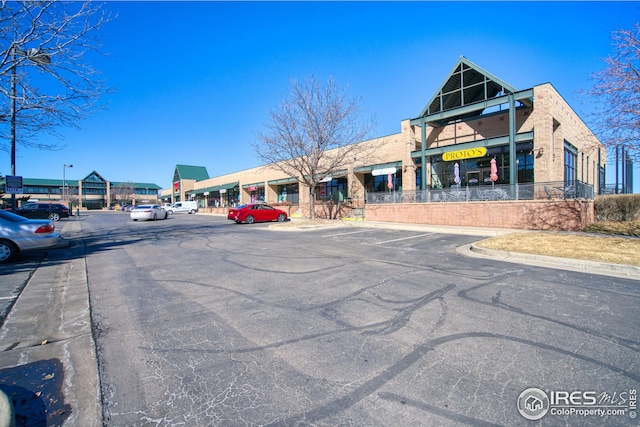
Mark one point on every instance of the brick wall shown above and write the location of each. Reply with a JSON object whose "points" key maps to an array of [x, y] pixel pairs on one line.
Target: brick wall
{"points": [[561, 215]]}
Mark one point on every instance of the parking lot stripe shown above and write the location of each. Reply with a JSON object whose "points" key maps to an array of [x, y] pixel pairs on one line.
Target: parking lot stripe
{"points": [[344, 234], [404, 238]]}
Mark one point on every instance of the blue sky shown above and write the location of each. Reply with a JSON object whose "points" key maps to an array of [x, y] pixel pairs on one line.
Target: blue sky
{"points": [[194, 81]]}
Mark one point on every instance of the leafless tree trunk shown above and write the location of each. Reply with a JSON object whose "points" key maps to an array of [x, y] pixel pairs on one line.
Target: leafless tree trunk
{"points": [[617, 94], [124, 192], [315, 133], [44, 69]]}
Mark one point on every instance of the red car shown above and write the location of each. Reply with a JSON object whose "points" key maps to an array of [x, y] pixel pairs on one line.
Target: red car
{"points": [[256, 212]]}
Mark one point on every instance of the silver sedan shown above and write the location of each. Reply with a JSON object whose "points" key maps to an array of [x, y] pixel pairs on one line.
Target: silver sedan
{"points": [[18, 234], [148, 212]]}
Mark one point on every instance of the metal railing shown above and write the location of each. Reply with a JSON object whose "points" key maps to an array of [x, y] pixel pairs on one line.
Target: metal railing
{"points": [[528, 191]]}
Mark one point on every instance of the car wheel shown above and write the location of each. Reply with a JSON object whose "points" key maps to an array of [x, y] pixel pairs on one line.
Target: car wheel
{"points": [[170, 212], [192, 212], [165, 215], [7, 251], [280, 217], [249, 219], [54, 216]]}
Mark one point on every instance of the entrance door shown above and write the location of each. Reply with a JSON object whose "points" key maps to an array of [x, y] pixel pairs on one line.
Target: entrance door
{"points": [[473, 177]]}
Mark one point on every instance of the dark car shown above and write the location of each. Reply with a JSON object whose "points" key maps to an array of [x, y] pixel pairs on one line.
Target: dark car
{"points": [[52, 211], [256, 212]]}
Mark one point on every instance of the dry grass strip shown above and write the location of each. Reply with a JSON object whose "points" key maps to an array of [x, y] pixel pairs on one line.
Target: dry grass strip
{"points": [[618, 250]]}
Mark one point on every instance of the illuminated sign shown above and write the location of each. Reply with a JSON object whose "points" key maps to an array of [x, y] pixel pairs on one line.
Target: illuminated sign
{"points": [[464, 154]]}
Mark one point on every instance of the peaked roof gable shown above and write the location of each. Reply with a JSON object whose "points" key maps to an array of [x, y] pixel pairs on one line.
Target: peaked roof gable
{"points": [[197, 173], [95, 177], [466, 84]]}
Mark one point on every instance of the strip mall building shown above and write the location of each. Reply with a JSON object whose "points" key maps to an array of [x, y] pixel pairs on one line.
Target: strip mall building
{"points": [[498, 156]]}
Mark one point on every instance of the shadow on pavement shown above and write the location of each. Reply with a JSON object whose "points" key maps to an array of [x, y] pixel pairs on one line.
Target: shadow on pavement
{"points": [[35, 390]]}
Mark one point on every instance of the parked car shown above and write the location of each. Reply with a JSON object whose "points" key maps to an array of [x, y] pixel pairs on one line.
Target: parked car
{"points": [[151, 212], [183, 207], [256, 212], [126, 208], [167, 207], [52, 211], [19, 234]]}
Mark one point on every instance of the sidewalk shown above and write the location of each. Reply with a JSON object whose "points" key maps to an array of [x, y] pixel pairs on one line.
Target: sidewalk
{"points": [[47, 353]]}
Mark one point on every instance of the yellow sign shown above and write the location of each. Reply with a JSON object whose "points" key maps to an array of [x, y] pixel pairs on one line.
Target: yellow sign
{"points": [[464, 154]]}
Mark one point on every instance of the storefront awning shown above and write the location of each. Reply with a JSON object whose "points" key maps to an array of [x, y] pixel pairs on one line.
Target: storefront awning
{"points": [[228, 186], [382, 169], [214, 188], [283, 181], [256, 185], [203, 190]]}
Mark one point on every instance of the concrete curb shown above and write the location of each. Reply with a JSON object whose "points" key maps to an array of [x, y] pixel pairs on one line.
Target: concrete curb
{"points": [[595, 267]]}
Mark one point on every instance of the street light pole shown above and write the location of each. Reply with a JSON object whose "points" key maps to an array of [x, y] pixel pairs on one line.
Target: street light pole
{"points": [[39, 58], [64, 186], [13, 122]]}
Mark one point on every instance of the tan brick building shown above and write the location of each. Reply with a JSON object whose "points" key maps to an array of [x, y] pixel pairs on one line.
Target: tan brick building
{"points": [[480, 140]]}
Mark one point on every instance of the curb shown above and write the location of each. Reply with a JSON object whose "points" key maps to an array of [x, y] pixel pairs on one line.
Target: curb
{"points": [[595, 267]]}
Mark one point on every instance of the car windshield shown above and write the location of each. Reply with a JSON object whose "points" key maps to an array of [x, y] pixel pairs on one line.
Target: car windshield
{"points": [[241, 206], [8, 216]]}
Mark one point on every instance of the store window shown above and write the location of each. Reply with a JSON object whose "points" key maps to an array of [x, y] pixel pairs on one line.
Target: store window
{"points": [[256, 194], [335, 190], [380, 183], [477, 171], [288, 193], [570, 164], [231, 197]]}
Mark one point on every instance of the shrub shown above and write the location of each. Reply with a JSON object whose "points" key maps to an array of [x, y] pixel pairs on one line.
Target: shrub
{"points": [[618, 207]]}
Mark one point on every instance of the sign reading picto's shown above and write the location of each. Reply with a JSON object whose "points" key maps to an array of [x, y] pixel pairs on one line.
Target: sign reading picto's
{"points": [[469, 153]]}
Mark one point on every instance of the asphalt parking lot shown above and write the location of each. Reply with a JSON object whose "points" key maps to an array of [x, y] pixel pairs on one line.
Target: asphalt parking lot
{"points": [[199, 321]]}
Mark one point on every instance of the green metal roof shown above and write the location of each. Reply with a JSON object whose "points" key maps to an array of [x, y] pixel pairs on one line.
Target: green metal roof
{"points": [[198, 173], [138, 185], [48, 182], [44, 182]]}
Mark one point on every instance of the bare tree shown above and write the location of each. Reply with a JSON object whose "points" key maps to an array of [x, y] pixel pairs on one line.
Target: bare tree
{"points": [[617, 91], [314, 134], [124, 192], [46, 80]]}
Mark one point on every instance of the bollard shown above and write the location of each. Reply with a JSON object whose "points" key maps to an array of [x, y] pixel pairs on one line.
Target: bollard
{"points": [[77, 211]]}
